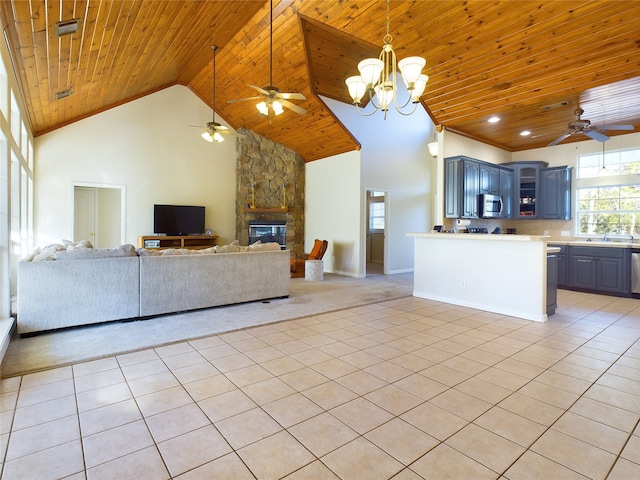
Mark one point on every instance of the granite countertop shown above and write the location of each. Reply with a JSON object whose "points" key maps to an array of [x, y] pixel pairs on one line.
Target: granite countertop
{"points": [[594, 243], [479, 236]]}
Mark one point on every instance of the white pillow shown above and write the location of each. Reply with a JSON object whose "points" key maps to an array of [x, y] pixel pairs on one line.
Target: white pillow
{"points": [[81, 244], [232, 247], [47, 253]]}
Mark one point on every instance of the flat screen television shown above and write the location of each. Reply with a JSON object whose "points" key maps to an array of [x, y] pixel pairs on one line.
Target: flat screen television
{"points": [[178, 220]]}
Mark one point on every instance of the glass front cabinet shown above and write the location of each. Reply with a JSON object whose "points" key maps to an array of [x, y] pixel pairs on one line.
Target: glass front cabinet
{"points": [[527, 189]]}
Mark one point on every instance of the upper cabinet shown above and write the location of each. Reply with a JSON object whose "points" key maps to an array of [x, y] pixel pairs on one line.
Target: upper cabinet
{"points": [[462, 184], [506, 188], [489, 178], [467, 178], [529, 190], [555, 193]]}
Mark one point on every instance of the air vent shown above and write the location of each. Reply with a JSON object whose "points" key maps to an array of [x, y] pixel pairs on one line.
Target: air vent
{"points": [[555, 105], [66, 28], [63, 94]]}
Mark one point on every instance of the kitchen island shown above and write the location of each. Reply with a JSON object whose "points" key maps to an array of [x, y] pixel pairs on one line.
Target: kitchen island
{"points": [[505, 274]]}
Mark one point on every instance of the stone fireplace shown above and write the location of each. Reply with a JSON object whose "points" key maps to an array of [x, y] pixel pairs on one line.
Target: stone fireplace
{"points": [[269, 189]]}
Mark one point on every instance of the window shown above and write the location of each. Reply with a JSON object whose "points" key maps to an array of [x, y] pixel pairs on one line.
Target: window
{"points": [[376, 212], [608, 191]]}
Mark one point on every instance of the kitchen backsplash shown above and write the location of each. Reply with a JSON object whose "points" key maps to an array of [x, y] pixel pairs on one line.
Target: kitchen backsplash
{"points": [[554, 228]]}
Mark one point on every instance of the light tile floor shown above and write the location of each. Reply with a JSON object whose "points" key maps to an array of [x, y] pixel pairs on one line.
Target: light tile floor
{"points": [[404, 389]]}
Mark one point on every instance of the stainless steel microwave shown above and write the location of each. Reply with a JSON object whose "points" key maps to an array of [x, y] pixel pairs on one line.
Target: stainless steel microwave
{"points": [[491, 206]]}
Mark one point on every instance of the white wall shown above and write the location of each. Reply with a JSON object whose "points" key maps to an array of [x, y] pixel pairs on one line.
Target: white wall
{"points": [[333, 211], [394, 159], [454, 144], [147, 146]]}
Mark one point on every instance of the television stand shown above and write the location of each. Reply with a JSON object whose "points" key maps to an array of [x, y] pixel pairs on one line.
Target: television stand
{"points": [[161, 242]]}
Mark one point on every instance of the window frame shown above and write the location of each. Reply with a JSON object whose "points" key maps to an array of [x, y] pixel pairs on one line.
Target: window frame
{"points": [[604, 181]]}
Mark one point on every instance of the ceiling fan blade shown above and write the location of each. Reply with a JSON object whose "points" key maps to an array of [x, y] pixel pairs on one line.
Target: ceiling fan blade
{"points": [[293, 96], [293, 106], [261, 90], [244, 99], [559, 139], [596, 136], [613, 127]]}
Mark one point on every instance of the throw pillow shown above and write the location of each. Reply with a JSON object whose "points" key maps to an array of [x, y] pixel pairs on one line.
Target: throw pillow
{"points": [[48, 253], [148, 252], [126, 250], [81, 244], [232, 247], [264, 247], [176, 251]]}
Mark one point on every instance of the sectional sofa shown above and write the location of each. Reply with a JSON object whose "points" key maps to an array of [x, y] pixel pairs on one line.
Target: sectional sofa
{"points": [[99, 285]]}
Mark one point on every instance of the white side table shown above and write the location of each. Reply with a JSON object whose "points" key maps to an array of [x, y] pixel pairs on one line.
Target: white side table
{"points": [[313, 270]]}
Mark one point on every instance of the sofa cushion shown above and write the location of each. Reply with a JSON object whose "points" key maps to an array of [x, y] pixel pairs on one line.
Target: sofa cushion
{"points": [[126, 250]]}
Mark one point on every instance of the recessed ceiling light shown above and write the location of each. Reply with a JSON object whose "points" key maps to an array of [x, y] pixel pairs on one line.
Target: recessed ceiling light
{"points": [[494, 119], [525, 133]]}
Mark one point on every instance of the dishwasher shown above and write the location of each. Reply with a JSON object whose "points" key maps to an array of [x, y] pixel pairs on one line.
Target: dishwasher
{"points": [[635, 271]]}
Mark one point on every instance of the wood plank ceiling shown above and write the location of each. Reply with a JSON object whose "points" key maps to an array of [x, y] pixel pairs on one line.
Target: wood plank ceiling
{"points": [[532, 63]]}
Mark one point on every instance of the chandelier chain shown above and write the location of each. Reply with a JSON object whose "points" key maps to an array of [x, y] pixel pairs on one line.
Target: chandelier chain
{"points": [[388, 38]]}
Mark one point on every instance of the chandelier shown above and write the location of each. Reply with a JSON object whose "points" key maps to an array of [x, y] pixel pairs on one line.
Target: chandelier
{"points": [[378, 78]]}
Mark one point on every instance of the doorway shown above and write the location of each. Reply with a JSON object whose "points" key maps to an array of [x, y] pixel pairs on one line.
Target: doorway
{"points": [[98, 214], [376, 224]]}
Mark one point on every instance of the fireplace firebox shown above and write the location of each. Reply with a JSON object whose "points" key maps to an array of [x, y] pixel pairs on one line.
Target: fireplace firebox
{"points": [[268, 231]]}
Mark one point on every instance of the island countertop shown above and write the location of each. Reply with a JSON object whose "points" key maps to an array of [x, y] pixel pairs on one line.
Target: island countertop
{"points": [[480, 236]]}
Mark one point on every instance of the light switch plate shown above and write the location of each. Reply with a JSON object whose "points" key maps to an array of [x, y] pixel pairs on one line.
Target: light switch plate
{"points": [[565, 233]]}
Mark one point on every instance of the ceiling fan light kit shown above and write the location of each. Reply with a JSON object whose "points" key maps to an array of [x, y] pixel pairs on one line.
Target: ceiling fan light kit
{"points": [[213, 131], [378, 79], [273, 102]]}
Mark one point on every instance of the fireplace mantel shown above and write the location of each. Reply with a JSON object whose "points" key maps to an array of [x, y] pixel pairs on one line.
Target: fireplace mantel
{"points": [[265, 210]]}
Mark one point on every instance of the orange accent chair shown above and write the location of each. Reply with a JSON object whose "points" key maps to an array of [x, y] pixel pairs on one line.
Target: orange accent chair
{"points": [[298, 259]]}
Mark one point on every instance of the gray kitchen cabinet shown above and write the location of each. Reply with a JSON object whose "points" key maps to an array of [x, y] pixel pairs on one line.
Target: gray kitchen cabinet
{"points": [[600, 269], [552, 283], [506, 191], [562, 266], [461, 189], [489, 178], [555, 193], [526, 189], [466, 178], [452, 188], [471, 182]]}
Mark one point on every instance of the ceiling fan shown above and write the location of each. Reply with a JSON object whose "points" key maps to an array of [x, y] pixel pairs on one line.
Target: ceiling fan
{"points": [[272, 99], [213, 131], [585, 128]]}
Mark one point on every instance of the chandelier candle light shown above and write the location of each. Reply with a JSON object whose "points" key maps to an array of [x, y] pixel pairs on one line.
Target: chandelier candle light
{"points": [[378, 77]]}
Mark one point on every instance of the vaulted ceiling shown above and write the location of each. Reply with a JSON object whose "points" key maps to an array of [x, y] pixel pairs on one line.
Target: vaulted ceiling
{"points": [[532, 63]]}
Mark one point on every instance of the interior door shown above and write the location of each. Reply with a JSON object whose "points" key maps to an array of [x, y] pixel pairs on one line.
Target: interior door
{"points": [[85, 219], [376, 211]]}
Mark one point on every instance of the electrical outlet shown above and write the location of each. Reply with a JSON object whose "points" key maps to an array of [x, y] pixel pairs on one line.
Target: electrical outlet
{"points": [[565, 233], [463, 283]]}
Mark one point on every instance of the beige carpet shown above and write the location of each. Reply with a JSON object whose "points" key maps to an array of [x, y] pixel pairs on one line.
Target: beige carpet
{"points": [[64, 347]]}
